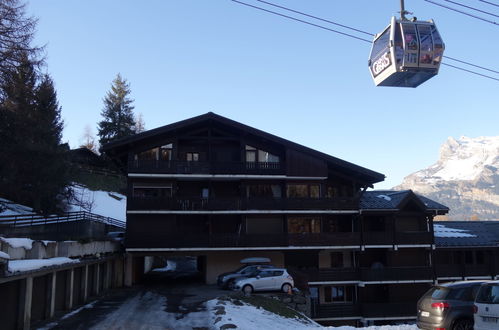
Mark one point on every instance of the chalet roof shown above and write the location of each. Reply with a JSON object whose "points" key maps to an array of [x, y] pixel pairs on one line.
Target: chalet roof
{"points": [[466, 233], [121, 146], [394, 199]]}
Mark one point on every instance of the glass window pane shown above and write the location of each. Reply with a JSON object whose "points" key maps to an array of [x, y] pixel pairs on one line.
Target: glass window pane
{"points": [[297, 190], [251, 156], [250, 147], [315, 191]]}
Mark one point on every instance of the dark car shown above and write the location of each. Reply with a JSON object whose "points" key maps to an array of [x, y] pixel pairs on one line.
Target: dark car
{"points": [[226, 279], [448, 306]]}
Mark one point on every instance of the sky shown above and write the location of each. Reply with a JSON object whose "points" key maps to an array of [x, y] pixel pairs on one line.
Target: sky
{"points": [[311, 86]]}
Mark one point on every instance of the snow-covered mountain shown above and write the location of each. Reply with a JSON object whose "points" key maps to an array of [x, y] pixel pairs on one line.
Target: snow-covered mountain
{"points": [[465, 178]]}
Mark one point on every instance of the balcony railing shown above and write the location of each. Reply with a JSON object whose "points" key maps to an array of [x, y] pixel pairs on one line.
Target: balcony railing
{"points": [[389, 309], [158, 240], [223, 204], [322, 311], [186, 167], [333, 274], [463, 270], [390, 238], [397, 273]]}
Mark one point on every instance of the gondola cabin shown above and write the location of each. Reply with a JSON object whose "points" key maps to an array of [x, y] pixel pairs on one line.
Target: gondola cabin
{"points": [[406, 53]]}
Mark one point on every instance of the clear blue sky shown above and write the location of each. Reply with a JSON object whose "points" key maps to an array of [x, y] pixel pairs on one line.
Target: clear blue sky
{"points": [[184, 58]]}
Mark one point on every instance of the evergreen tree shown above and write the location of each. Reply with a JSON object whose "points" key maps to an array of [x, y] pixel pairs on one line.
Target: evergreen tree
{"points": [[32, 161], [118, 119], [16, 35]]}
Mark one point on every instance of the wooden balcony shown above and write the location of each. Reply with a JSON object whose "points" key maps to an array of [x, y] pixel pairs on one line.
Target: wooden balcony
{"points": [[323, 311], [389, 309], [185, 167], [396, 274], [332, 274], [391, 238], [462, 270], [157, 240], [234, 203]]}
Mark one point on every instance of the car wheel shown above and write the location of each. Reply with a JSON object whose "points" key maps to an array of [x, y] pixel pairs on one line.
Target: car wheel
{"points": [[286, 287], [247, 289], [464, 324]]}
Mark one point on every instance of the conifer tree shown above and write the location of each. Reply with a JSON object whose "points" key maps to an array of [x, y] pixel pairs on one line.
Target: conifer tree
{"points": [[33, 170], [118, 118]]}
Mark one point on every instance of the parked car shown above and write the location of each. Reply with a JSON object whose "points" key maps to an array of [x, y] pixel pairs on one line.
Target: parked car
{"points": [[226, 280], [270, 279], [448, 306], [487, 307]]}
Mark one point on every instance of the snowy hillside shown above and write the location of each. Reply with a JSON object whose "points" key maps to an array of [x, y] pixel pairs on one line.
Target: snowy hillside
{"points": [[465, 178], [105, 203]]}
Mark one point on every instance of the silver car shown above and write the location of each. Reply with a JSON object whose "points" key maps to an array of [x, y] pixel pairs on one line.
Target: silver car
{"points": [[270, 279], [448, 306]]}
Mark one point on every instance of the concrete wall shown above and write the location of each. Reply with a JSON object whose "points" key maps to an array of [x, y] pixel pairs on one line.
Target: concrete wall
{"points": [[225, 261]]}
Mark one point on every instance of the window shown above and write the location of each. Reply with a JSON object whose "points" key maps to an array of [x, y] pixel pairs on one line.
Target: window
{"points": [[263, 190], [338, 294], [303, 191], [303, 225], [192, 156], [149, 191], [166, 152], [255, 155]]}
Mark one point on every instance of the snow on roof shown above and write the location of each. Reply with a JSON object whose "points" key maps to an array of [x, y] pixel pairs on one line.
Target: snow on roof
{"points": [[18, 242], [385, 197], [10, 208], [444, 231], [4, 255], [33, 264]]}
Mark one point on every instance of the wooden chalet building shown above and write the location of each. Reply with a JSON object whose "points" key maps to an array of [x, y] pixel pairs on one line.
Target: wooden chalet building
{"points": [[217, 189]]}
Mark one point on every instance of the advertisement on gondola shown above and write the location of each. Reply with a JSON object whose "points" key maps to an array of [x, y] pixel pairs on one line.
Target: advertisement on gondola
{"points": [[381, 64]]}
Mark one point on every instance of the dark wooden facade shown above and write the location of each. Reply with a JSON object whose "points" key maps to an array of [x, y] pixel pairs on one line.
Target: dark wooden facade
{"points": [[209, 183]]}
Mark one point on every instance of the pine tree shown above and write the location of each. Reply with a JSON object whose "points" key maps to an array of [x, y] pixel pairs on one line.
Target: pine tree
{"points": [[32, 161], [16, 34], [118, 119]]}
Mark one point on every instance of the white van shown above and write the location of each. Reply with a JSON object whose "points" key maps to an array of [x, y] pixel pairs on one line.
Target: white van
{"points": [[487, 307]]}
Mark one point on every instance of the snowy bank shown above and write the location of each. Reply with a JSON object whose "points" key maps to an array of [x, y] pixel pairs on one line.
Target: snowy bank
{"points": [[104, 203], [33, 264]]}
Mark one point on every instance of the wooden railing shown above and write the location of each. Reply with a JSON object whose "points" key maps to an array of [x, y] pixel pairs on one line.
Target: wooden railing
{"points": [[37, 219], [389, 237], [235, 203], [186, 167], [402, 309], [463, 270], [160, 240], [320, 311], [397, 273]]}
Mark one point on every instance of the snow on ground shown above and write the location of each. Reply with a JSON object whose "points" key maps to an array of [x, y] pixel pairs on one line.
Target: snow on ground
{"points": [[18, 242], [32, 264], [249, 317], [444, 231], [105, 203], [68, 315], [170, 266]]}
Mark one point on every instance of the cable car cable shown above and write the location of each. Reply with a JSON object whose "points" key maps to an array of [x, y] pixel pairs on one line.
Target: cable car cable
{"points": [[472, 8], [473, 72], [362, 39], [488, 2], [471, 64], [315, 17], [462, 12], [302, 21]]}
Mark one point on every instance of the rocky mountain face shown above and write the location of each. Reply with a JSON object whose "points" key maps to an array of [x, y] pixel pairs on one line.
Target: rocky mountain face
{"points": [[465, 178]]}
